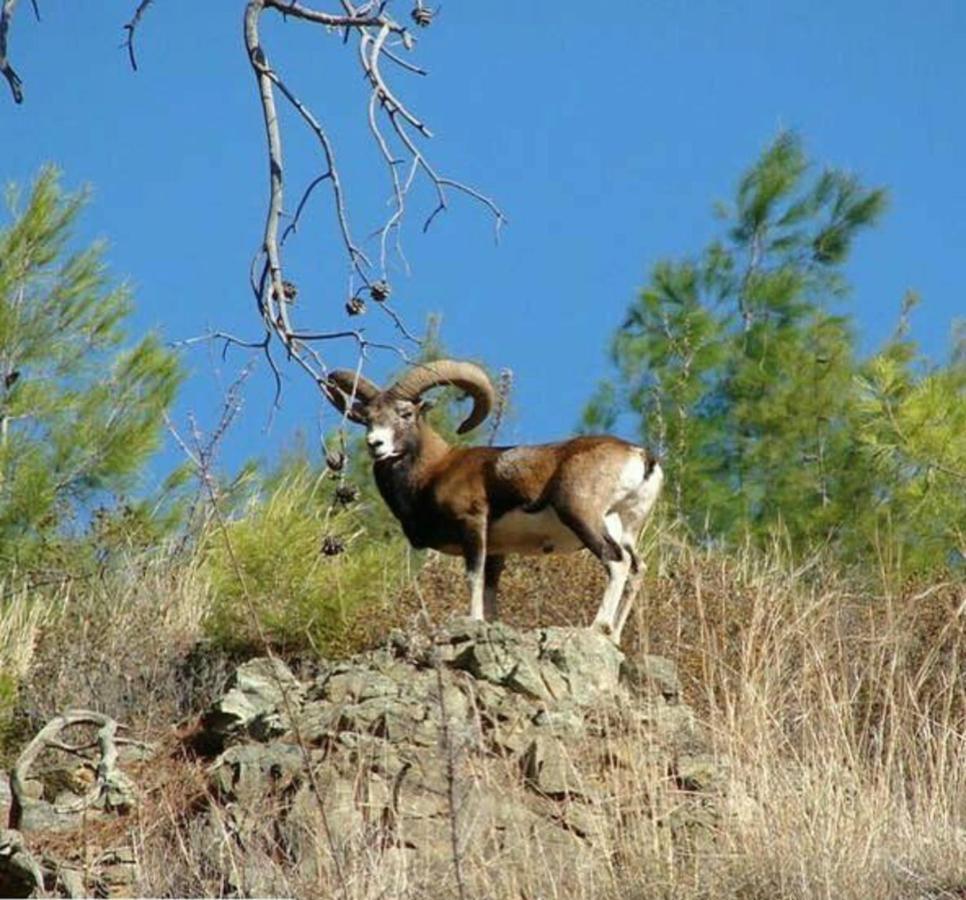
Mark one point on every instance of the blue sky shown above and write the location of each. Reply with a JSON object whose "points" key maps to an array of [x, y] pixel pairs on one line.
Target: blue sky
{"points": [[605, 137]]}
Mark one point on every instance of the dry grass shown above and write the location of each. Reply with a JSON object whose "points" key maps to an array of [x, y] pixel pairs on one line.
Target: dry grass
{"points": [[835, 703], [128, 644]]}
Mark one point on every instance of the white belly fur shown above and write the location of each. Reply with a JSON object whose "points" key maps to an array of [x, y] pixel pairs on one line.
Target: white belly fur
{"points": [[536, 532]]}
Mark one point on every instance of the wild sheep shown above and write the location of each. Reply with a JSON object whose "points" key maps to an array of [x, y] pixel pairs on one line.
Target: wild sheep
{"points": [[485, 502]]}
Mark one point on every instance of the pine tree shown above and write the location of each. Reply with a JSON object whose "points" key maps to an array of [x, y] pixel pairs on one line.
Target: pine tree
{"points": [[80, 413], [911, 425], [739, 364]]}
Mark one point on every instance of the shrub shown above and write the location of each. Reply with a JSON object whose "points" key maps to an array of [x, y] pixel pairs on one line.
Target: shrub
{"points": [[295, 569]]}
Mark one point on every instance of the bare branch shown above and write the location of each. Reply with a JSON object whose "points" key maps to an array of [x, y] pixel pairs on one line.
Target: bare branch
{"points": [[270, 300], [386, 97], [399, 61], [131, 27], [356, 256], [297, 10], [374, 28], [389, 311], [379, 37], [13, 79], [292, 227]]}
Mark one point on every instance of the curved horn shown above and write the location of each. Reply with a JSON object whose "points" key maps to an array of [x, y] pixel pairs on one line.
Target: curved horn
{"points": [[464, 375], [344, 384]]}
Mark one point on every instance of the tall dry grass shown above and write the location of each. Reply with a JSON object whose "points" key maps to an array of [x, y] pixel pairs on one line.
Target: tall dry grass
{"points": [[128, 643], [839, 702], [834, 700], [834, 704]]}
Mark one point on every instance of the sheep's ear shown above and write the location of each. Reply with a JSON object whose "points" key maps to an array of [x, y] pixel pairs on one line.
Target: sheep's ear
{"points": [[426, 406]]}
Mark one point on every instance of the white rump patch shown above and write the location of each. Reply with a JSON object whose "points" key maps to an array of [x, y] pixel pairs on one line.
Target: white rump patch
{"points": [[635, 495]]}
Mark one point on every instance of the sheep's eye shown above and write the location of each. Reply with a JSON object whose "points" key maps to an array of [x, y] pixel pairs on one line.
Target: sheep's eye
{"points": [[406, 414]]}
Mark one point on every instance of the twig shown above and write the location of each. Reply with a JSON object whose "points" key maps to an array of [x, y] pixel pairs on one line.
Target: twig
{"points": [[502, 401], [131, 27], [386, 97], [13, 79], [400, 327], [292, 8], [292, 226], [449, 752]]}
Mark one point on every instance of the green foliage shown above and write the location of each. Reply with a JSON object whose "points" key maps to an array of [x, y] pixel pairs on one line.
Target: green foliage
{"points": [[295, 567], [740, 366], [80, 413], [912, 428], [9, 689]]}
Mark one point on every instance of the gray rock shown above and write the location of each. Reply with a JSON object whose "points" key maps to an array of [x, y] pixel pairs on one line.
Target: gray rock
{"points": [[518, 735], [20, 874], [588, 661], [697, 772], [40, 815], [246, 773], [563, 720], [652, 676], [354, 684], [256, 700], [549, 768]]}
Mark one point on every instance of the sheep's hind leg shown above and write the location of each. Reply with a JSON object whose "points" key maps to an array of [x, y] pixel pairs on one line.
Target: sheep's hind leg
{"points": [[617, 574], [633, 525], [605, 544], [631, 592]]}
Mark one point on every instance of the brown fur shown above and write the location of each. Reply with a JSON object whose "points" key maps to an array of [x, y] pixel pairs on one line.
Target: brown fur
{"points": [[481, 502]]}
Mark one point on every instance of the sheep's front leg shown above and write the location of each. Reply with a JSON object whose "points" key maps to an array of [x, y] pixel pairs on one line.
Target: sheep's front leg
{"points": [[474, 555], [491, 581]]}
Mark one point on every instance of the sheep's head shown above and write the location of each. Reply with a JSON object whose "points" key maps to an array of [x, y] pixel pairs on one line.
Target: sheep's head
{"points": [[393, 417]]}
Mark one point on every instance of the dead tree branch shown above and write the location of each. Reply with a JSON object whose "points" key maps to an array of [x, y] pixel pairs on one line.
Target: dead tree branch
{"points": [[372, 26], [398, 132], [109, 779], [131, 27], [13, 79]]}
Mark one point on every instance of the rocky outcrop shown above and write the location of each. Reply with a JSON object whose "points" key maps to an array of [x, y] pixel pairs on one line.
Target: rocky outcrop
{"points": [[484, 741], [468, 755]]}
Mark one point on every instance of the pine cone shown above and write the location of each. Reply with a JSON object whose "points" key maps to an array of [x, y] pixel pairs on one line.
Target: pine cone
{"points": [[355, 306], [422, 17], [380, 290], [346, 494], [332, 546]]}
